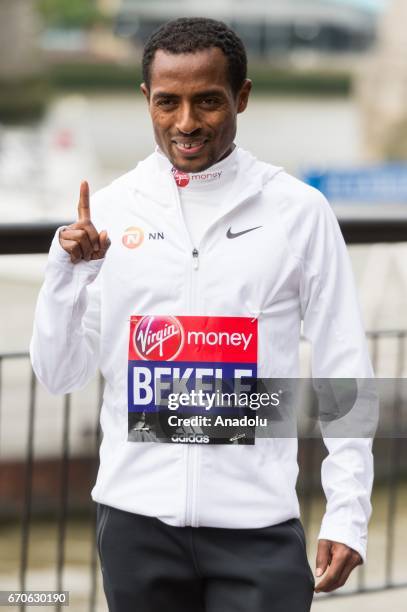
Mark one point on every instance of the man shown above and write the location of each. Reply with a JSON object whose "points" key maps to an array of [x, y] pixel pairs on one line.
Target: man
{"points": [[202, 262]]}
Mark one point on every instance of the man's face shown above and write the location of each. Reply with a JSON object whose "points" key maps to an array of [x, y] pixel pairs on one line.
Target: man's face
{"points": [[193, 108]]}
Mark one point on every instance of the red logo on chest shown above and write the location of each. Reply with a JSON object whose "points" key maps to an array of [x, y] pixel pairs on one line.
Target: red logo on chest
{"points": [[181, 178], [158, 338]]}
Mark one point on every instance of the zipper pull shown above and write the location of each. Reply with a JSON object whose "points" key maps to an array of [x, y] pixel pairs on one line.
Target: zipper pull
{"points": [[195, 255]]}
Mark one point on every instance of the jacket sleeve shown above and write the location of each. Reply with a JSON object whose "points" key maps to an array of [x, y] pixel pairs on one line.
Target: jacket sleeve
{"points": [[65, 344], [332, 324]]}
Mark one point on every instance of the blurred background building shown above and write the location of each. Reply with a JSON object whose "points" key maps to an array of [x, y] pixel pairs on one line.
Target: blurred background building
{"points": [[269, 29], [19, 52], [382, 88]]}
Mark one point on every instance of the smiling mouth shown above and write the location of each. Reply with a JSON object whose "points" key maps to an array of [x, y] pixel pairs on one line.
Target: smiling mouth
{"points": [[190, 148]]}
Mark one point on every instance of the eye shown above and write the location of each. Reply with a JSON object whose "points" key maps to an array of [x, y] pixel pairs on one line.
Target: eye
{"points": [[165, 102], [210, 101]]}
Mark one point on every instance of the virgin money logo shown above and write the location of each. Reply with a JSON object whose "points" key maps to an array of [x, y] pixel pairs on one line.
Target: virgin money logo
{"points": [[133, 237], [181, 178], [158, 338]]}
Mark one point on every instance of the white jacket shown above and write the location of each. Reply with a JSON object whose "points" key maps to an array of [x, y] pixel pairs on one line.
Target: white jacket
{"points": [[293, 268]]}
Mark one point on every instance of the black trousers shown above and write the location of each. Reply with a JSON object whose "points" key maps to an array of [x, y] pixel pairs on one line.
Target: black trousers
{"points": [[149, 566]]}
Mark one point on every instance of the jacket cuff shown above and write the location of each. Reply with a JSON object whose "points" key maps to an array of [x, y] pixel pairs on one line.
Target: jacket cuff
{"points": [[348, 536], [58, 255]]}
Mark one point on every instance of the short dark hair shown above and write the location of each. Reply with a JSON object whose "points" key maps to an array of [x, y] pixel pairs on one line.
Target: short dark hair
{"points": [[191, 34]]}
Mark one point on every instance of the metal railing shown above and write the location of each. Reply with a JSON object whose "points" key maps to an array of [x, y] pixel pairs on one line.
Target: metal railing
{"points": [[60, 510], [34, 238], [26, 238]]}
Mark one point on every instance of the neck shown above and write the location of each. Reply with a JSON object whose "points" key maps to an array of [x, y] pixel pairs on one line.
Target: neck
{"points": [[228, 152]]}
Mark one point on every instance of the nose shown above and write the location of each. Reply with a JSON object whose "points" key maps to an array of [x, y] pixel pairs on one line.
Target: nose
{"points": [[187, 122]]}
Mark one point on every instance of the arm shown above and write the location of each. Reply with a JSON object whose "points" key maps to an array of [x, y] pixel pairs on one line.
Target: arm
{"points": [[64, 347], [332, 323]]}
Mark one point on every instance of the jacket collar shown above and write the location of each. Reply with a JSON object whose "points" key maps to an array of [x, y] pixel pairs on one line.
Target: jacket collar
{"points": [[153, 178]]}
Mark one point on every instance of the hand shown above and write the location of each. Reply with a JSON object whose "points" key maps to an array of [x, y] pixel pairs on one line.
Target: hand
{"points": [[81, 239], [340, 561]]}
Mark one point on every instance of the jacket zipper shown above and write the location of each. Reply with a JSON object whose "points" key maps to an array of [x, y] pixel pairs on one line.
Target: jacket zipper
{"points": [[195, 255], [193, 452]]}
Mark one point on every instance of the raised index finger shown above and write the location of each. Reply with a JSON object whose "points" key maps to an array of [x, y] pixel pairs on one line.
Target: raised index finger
{"points": [[83, 206]]}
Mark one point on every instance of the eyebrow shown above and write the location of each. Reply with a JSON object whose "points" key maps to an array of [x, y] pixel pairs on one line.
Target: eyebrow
{"points": [[164, 94], [201, 94]]}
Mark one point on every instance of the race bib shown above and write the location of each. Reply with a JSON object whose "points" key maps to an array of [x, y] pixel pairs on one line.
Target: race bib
{"points": [[187, 376]]}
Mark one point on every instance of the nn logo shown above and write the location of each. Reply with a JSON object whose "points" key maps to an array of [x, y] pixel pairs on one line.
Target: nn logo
{"points": [[134, 237]]}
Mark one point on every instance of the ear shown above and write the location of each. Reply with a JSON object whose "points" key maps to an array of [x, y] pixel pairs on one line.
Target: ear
{"points": [[146, 92], [243, 96]]}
